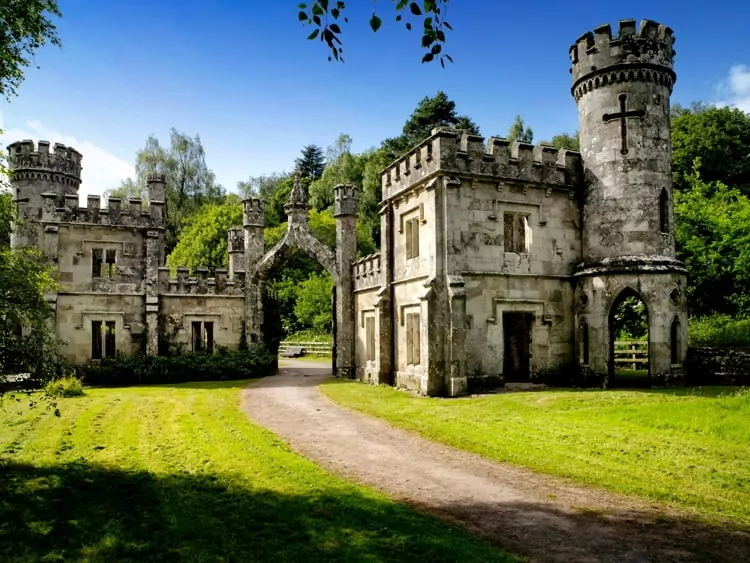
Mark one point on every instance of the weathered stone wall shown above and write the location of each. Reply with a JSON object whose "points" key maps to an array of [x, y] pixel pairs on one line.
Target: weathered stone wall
{"points": [[76, 311], [717, 366], [177, 312]]}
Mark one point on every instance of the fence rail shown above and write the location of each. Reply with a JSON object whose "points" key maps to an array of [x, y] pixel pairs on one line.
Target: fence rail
{"points": [[631, 354], [308, 348]]}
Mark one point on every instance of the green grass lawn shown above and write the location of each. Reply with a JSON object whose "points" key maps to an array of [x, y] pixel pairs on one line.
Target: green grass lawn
{"points": [[178, 473], [689, 447]]}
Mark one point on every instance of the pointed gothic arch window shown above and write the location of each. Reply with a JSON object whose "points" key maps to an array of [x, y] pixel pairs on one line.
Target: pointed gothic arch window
{"points": [[663, 211]]}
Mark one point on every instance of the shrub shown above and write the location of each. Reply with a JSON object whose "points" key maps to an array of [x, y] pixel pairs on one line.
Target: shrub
{"points": [[719, 330], [310, 336], [67, 386], [255, 361]]}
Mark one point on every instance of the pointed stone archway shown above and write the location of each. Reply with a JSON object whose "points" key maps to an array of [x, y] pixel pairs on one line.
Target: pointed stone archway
{"points": [[299, 236]]}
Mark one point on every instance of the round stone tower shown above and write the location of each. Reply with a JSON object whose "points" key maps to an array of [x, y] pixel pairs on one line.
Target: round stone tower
{"points": [[36, 171], [622, 85]]}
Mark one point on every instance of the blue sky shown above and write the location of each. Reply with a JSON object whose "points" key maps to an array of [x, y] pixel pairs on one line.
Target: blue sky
{"points": [[242, 75]]}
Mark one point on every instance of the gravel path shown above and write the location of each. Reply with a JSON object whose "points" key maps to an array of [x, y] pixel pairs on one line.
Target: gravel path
{"points": [[537, 517]]}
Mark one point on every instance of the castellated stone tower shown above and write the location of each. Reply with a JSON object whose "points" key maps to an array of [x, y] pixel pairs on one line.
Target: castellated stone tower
{"points": [[622, 84], [36, 171]]}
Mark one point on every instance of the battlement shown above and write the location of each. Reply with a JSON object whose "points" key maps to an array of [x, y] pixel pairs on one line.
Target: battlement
{"points": [[648, 46], [35, 162], [455, 152], [66, 210], [253, 212], [367, 272], [344, 200], [201, 283]]}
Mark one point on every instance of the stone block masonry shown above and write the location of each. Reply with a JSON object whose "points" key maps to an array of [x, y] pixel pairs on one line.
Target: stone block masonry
{"points": [[499, 261]]}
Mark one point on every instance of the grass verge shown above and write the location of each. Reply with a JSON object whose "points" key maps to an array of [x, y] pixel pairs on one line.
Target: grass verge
{"points": [[689, 447], [178, 473]]}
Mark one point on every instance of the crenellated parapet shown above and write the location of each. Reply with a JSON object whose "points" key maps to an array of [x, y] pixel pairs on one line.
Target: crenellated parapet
{"points": [[454, 152], [253, 212], [201, 283], [635, 54], [37, 163], [344, 200], [128, 214], [368, 272]]}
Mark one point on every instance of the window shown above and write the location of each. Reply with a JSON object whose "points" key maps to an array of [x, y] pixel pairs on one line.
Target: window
{"points": [[96, 262], [96, 340], [517, 232], [412, 339], [370, 338], [107, 258], [663, 211], [203, 337], [110, 263], [108, 347], [412, 238]]}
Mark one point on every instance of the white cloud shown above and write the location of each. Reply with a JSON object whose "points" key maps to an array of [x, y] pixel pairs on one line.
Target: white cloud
{"points": [[101, 169], [736, 88]]}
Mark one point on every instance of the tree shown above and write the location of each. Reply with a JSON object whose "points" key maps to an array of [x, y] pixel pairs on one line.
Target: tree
{"points": [[343, 168], [25, 27], [326, 18], [203, 240], [713, 242], [312, 162], [431, 112], [313, 303], [190, 183], [567, 141], [519, 132], [720, 137]]}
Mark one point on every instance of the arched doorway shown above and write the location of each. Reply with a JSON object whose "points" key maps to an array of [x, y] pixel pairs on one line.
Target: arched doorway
{"points": [[629, 341], [299, 243]]}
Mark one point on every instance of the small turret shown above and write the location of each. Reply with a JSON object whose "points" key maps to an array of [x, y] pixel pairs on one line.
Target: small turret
{"points": [[36, 171], [236, 249]]}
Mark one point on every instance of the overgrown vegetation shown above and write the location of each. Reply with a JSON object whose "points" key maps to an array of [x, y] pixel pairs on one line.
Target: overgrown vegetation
{"points": [[719, 330], [64, 387], [255, 361], [178, 473], [685, 447]]}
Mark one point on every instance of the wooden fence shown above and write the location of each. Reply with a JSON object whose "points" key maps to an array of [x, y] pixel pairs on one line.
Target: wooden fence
{"points": [[308, 348], [631, 354]]}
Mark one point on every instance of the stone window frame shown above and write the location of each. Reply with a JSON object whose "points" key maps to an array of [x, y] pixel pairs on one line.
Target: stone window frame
{"points": [[103, 339], [518, 218], [205, 339], [105, 266], [413, 323], [370, 338]]}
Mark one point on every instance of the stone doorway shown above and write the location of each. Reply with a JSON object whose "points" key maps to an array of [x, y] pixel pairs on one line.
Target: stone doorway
{"points": [[517, 346], [629, 341]]}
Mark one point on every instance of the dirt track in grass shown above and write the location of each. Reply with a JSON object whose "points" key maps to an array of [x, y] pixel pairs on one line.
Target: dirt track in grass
{"points": [[537, 517]]}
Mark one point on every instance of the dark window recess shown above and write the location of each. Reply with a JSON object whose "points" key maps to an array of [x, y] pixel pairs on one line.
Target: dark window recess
{"points": [[109, 340], [412, 238], [663, 211], [515, 226], [110, 262], [96, 340], [203, 337], [96, 262]]}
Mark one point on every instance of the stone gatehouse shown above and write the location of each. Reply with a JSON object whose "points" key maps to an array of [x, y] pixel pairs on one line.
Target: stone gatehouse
{"points": [[499, 260]]}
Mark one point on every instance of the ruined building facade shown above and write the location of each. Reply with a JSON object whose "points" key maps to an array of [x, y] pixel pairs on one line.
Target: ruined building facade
{"points": [[499, 261]]}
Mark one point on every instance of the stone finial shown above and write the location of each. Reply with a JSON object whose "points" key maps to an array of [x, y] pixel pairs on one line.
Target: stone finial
{"points": [[298, 198]]}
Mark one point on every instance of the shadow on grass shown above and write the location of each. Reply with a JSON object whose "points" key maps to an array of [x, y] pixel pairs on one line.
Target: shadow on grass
{"points": [[80, 511]]}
